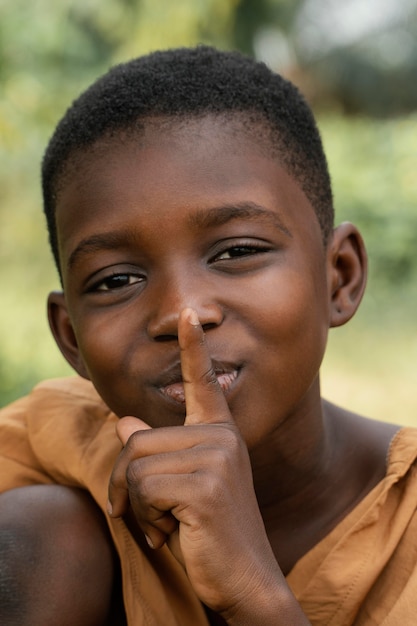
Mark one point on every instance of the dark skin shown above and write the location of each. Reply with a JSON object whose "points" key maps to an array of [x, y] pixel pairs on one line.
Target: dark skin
{"points": [[198, 298], [57, 563]]}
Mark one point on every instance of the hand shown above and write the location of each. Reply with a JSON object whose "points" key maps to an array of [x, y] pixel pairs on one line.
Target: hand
{"points": [[191, 486]]}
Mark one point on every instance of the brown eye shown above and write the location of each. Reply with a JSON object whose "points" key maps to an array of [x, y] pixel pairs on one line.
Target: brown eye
{"points": [[239, 251], [117, 281]]}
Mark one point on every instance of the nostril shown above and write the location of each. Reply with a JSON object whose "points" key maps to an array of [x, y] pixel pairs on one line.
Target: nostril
{"points": [[165, 338], [209, 326]]}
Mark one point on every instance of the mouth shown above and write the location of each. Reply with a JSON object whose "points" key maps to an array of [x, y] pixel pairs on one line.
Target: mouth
{"points": [[174, 389]]}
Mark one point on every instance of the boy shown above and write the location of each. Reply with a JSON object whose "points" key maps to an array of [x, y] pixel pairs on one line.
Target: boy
{"points": [[190, 215]]}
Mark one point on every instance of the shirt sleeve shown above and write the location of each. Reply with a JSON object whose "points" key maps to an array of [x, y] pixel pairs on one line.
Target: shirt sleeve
{"points": [[18, 463]]}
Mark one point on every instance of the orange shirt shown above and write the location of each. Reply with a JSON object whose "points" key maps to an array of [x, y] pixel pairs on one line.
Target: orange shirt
{"points": [[364, 572]]}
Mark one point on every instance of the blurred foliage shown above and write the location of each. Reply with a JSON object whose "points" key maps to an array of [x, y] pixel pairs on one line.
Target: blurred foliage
{"points": [[373, 167], [50, 51], [358, 56]]}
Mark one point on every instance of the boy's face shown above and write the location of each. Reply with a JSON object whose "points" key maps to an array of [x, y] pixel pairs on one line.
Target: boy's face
{"points": [[192, 215]]}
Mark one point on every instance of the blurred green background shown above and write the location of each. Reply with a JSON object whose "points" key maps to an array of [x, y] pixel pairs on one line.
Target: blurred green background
{"points": [[357, 64]]}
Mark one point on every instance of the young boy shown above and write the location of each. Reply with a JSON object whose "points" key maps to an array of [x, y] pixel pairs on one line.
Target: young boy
{"points": [[190, 215]]}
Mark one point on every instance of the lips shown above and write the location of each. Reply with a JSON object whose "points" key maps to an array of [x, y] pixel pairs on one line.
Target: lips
{"points": [[174, 389]]}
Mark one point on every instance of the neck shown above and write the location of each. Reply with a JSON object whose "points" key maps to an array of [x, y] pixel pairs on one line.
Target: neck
{"points": [[294, 461], [312, 473]]}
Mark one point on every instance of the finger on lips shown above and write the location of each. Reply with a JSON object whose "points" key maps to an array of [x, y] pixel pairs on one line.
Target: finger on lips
{"points": [[204, 399], [205, 404]]}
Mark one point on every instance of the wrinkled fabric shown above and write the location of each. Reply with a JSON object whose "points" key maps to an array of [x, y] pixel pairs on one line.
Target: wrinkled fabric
{"points": [[363, 573]]}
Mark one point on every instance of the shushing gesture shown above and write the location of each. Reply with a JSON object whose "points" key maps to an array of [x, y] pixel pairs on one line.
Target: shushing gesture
{"points": [[191, 487]]}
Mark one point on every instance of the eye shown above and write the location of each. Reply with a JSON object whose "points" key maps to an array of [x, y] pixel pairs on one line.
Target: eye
{"points": [[239, 251], [116, 281]]}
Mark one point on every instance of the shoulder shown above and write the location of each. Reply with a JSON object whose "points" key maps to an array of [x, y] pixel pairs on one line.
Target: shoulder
{"points": [[70, 388], [55, 397], [56, 431], [363, 444], [68, 410], [402, 455], [61, 402]]}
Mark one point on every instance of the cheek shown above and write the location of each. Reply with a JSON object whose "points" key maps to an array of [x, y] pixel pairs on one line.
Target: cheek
{"points": [[294, 329], [290, 341], [292, 305], [104, 344], [107, 355]]}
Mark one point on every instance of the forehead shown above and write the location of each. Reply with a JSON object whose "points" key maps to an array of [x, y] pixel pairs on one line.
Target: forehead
{"points": [[162, 132], [171, 168], [180, 134]]}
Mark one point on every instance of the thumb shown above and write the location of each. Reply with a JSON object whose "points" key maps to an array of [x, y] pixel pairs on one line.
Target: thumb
{"points": [[126, 426]]}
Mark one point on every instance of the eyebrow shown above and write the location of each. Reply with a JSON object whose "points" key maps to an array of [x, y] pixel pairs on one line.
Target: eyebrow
{"points": [[110, 240], [201, 219], [217, 216]]}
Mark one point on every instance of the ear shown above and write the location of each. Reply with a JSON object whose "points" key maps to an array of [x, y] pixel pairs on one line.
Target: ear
{"points": [[63, 332], [347, 267]]}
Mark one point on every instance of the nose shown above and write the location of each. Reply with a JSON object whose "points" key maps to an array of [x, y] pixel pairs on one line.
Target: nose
{"points": [[172, 297]]}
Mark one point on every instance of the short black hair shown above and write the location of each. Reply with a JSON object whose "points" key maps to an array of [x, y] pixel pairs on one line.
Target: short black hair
{"points": [[192, 82]]}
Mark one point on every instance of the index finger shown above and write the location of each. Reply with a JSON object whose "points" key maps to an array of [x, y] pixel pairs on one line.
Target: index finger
{"points": [[204, 398]]}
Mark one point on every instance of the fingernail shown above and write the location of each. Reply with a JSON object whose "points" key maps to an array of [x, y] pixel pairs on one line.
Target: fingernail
{"points": [[149, 541], [193, 318], [109, 507]]}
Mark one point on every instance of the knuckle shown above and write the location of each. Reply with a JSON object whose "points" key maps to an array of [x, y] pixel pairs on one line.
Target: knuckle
{"points": [[212, 488], [143, 491], [221, 445], [135, 442], [136, 481], [221, 459], [209, 379], [231, 438]]}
